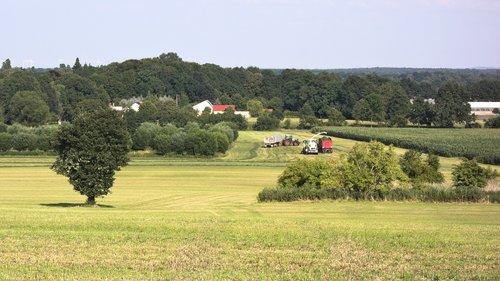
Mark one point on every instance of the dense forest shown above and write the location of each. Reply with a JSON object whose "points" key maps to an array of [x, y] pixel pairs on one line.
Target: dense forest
{"points": [[37, 96]]}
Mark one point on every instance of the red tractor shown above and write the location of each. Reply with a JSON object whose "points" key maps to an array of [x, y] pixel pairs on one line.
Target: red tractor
{"points": [[325, 145], [289, 141]]}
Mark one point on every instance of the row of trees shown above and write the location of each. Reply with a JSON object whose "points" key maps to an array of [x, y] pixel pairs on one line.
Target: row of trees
{"points": [[190, 140], [35, 97]]}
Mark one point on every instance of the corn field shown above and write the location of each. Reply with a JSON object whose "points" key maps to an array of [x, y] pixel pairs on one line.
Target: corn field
{"points": [[482, 144]]}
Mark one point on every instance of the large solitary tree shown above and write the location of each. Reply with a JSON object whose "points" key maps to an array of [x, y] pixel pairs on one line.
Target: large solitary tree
{"points": [[90, 151]]}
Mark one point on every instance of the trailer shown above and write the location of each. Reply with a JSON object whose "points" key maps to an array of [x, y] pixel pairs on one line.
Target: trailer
{"points": [[325, 145], [273, 141]]}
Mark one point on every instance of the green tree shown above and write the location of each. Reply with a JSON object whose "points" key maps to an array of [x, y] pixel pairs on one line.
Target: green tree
{"points": [[376, 106], [6, 65], [420, 170], [421, 112], [469, 174], [370, 166], [255, 107], [28, 108], [335, 117], [77, 66], [451, 106], [397, 106], [266, 122], [361, 110], [91, 150]]}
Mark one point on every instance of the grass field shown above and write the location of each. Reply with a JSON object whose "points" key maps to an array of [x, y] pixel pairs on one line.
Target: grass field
{"points": [[199, 219]]}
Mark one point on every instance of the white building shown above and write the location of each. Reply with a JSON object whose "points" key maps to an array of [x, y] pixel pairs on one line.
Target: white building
{"points": [[117, 107], [135, 106], [483, 108], [218, 108], [202, 105]]}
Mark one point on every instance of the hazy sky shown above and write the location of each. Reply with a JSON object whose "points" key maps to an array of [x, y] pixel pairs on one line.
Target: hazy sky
{"points": [[262, 33]]}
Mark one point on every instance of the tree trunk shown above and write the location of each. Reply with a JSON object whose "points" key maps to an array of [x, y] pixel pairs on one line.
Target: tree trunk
{"points": [[91, 200]]}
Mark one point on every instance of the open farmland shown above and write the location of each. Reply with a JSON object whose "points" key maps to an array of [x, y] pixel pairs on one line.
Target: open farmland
{"points": [[482, 144], [173, 218]]}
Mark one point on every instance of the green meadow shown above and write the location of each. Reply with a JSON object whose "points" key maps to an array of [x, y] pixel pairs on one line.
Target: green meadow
{"points": [[198, 218]]}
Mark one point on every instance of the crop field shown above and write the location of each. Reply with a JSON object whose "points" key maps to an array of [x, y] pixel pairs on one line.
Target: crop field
{"points": [[195, 218], [482, 144]]}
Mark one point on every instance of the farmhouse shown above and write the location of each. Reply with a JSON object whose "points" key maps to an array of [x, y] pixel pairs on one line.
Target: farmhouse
{"points": [[218, 108], [135, 107], [484, 108]]}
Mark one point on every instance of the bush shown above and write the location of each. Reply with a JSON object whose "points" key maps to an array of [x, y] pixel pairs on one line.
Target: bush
{"points": [[162, 144], [310, 174], [204, 143], [426, 194], [222, 141], [420, 171], [469, 174], [492, 122], [369, 166], [144, 135], [225, 129], [308, 122], [24, 141], [178, 142], [266, 122], [5, 142]]}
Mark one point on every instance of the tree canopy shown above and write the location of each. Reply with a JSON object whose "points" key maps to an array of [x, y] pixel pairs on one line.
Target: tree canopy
{"points": [[90, 150]]}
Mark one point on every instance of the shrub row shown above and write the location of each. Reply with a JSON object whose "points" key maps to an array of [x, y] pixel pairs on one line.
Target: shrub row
{"points": [[424, 194], [190, 140], [21, 138]]}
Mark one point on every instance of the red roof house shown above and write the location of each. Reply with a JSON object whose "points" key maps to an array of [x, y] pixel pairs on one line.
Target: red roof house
{"points": [[222, 107]]}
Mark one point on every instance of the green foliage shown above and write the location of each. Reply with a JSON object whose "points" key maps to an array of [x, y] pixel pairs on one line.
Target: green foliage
{"points": [[421, 112], [310, 174], [469, 174], [335, 118], [366, 170], [24, 141], [424, 194], [5, 141], [451, 106], [28, 108], [492, 122], [144, 135], [266, 122], [91, 150], [370, 166], [420, 170], [469, 143], [255, 107]]}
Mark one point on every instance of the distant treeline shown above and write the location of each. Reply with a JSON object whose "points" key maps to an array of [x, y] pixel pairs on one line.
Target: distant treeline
{"points": [[34, 97]]}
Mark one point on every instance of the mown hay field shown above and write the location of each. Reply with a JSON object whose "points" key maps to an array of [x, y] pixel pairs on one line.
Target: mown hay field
{"points": [[199, 219]]}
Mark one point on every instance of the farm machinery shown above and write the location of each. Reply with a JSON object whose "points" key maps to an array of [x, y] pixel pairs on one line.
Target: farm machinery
{"points": [[272, 141], [289, 141], [277, 140], [323, 145]]}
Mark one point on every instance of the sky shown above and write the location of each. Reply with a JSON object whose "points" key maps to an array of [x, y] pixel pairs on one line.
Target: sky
{"points": [[312, 34]]}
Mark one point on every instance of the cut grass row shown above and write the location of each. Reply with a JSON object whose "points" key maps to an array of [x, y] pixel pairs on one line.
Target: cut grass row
{"points": [[482, 144]]}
